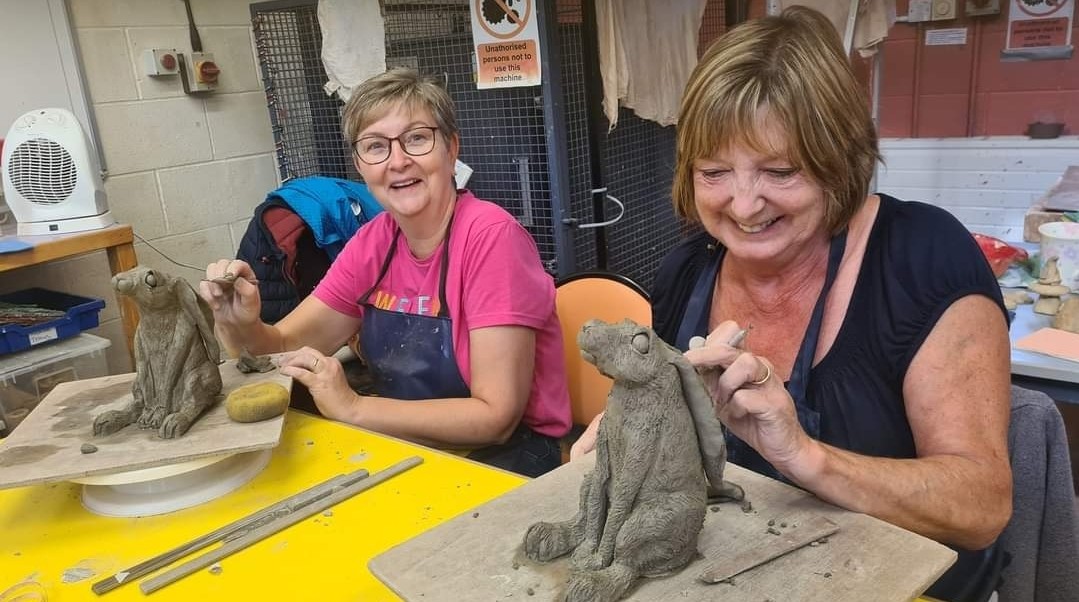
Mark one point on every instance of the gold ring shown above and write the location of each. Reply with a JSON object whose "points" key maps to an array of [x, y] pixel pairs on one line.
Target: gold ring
{"points": [[315, 365], [767, 375]]}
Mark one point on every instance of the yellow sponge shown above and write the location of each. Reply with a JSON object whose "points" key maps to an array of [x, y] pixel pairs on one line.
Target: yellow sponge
{"points": [[257, 401]]}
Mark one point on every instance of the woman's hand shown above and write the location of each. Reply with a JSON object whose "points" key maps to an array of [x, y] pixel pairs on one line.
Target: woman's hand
{"points": [[231, 291], [587, 441], [750, 400], [325, 379]]}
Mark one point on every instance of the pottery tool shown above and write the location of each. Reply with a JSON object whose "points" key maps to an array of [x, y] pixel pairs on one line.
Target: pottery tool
{"points": [[231, 530], [274, 524], [793, 534]]}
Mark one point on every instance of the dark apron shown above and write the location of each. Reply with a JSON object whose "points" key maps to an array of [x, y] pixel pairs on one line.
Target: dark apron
{"points": [[411, 357], [695, 323]]}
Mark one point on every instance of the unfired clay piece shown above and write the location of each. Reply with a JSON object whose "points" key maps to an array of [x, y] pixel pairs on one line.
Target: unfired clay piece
{"points": [[176, 356], [642, 506], [1067, 317]]}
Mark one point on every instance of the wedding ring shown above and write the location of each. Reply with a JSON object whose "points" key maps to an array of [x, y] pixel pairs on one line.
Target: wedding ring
{"points": [[764, 379]]}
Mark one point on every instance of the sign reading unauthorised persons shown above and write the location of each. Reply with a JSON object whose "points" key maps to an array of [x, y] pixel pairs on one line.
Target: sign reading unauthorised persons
{"points": [[507, 43]]}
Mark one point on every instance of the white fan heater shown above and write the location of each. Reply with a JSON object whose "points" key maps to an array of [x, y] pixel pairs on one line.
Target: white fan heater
{"points": [[52, 179]]}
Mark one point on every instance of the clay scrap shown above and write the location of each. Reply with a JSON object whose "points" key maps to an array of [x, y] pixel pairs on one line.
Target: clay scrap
{"points": [[659, 446]]}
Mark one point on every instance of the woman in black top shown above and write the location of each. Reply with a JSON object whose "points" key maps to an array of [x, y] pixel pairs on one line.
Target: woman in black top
{"points": [[876, 371]]}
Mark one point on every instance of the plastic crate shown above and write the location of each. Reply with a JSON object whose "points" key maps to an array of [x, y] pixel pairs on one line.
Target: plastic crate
{"points": [[81, 315], [27, 377]]}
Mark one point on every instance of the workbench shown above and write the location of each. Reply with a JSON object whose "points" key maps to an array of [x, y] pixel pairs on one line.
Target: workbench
{"points": [[118, 243], [45, 532]]}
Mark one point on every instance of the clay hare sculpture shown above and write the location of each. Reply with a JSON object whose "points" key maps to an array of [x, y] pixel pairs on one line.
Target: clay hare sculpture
{"points": [[643, 505], [176, 356]]}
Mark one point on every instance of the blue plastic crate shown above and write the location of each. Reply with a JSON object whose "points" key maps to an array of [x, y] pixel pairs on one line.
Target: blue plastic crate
{"points": [[81, 315]]}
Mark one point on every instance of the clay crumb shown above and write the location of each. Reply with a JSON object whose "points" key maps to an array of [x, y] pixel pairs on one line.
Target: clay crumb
{"points": [[475, 515], [328, 513], [309, 442], [516, 565], [747, 506], [215, 569], [772, 523], [827, 575], [814, 544], [773, 531], [530, 592], [88, 448], [784, 525], [823, 540], [715, 508]]}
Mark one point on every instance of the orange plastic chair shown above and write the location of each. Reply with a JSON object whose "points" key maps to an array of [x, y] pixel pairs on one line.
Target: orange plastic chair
{"points": [[586, 296]]}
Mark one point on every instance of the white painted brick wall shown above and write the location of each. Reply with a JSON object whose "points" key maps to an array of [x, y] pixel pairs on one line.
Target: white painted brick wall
{"points": [[988, 183], [185, 171]]}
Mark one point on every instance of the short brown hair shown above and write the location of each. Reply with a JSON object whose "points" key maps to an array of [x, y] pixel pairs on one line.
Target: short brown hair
{"points": [[793, 66], [399, 86]]}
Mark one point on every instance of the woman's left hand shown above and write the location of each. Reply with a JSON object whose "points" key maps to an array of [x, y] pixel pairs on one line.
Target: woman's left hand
{"points": [[324, 378], [750, 400]]}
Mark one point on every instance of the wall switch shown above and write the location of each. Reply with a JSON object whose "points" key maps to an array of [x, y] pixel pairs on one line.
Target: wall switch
{"points": [[160, 61], [199, 72]]}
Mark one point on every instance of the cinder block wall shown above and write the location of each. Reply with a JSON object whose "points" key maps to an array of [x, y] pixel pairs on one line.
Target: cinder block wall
{"points": [[184, 171]]}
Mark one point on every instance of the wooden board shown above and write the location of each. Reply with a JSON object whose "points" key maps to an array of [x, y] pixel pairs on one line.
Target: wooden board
{"points": [[474, 554], [45, 447]]}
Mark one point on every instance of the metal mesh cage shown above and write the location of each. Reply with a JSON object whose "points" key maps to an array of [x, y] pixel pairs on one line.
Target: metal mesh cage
{"points": [[506, 137]]}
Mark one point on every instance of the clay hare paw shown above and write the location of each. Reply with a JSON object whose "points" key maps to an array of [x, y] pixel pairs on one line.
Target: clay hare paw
{"points": [[110, 422], [585, 559], [547, 541], [151, 418], [174, 425]]}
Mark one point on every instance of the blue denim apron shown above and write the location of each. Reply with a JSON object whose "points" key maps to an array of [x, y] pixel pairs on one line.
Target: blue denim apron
{"points": [[411, 356], [695, 323]]}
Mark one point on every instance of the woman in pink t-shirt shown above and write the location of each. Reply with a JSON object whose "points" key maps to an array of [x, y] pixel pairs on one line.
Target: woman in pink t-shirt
{"points": [[455, 315]]}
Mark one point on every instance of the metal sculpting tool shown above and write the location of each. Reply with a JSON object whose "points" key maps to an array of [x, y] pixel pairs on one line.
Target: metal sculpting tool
{"points": [[228, 531]]}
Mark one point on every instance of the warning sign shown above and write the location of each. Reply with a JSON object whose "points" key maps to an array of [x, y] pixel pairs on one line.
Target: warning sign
{"points": [[507, 43], [1040, 23]]}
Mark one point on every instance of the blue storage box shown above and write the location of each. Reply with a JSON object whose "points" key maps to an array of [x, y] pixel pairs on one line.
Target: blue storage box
{"points": [[81, 314]]}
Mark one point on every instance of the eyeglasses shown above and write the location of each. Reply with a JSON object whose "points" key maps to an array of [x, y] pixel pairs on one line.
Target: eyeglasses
{"points": [[416, 142]]}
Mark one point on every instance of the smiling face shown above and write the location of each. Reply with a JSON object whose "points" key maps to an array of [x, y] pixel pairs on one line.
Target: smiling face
{"points": [[410, 187], [753, 199]]}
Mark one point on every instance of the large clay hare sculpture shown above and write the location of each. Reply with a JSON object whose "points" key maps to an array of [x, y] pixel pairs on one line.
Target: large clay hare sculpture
{"points": [[642, 507], [176, 356]]}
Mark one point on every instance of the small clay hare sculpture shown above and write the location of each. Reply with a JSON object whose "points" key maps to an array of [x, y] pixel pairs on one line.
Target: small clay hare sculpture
{"points": [[176, 356], [643, 505]]}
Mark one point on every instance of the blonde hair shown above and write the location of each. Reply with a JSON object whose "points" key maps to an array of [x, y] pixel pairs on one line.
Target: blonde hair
{"points": [[793, 68], [399, 86]]}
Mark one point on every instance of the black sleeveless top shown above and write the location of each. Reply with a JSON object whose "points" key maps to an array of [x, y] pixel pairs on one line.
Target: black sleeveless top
{"points": [[918, 260]]}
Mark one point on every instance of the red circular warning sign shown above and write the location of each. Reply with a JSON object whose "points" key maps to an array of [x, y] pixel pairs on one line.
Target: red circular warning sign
{"points": [[503, 19]]}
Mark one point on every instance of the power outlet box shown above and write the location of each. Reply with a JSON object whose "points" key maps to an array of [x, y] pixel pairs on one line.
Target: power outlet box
{"points": [[157, 62], [199, 72]]}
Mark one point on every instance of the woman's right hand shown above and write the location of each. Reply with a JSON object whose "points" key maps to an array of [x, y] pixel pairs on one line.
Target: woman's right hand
{"points": [[231, 290]]}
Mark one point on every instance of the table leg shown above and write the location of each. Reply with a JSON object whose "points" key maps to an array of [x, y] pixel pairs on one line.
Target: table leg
{"points": [[122, 258]]}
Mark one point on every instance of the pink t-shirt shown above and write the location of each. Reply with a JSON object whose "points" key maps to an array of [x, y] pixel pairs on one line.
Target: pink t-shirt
{"points": [[494, 278]]}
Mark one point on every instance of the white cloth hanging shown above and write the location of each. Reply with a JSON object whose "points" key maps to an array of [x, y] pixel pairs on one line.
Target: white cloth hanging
{"points": [[647, 51], [875, 18], [353, 43]]}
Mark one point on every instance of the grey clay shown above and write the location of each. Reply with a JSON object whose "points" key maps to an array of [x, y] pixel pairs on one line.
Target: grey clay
{"points": [[176, 356], [643, 505]]}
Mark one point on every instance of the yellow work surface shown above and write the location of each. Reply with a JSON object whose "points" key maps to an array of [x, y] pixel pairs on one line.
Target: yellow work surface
{"points": [[45, 533]]}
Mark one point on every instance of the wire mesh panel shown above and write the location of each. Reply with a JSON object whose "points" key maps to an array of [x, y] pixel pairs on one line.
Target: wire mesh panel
{"points": [[306, 122]]}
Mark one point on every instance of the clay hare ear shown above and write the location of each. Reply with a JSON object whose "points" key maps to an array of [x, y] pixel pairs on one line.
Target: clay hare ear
{"points": [[709, 429], [192, 306]]}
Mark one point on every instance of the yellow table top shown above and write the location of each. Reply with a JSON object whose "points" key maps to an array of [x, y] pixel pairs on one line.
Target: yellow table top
{"points": [[45, 531]]}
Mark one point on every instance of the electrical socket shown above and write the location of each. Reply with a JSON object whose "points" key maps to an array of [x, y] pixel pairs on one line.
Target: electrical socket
{"points": [[160, 61]]}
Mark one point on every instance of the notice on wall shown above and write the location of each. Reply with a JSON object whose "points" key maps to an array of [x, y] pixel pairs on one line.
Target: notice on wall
{"points": [[956, 36], [1034, 24], [506, 37]]}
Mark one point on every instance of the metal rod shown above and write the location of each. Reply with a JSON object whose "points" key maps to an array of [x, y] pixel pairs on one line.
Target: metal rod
{"points": [[262, 532], [161, 560]]}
